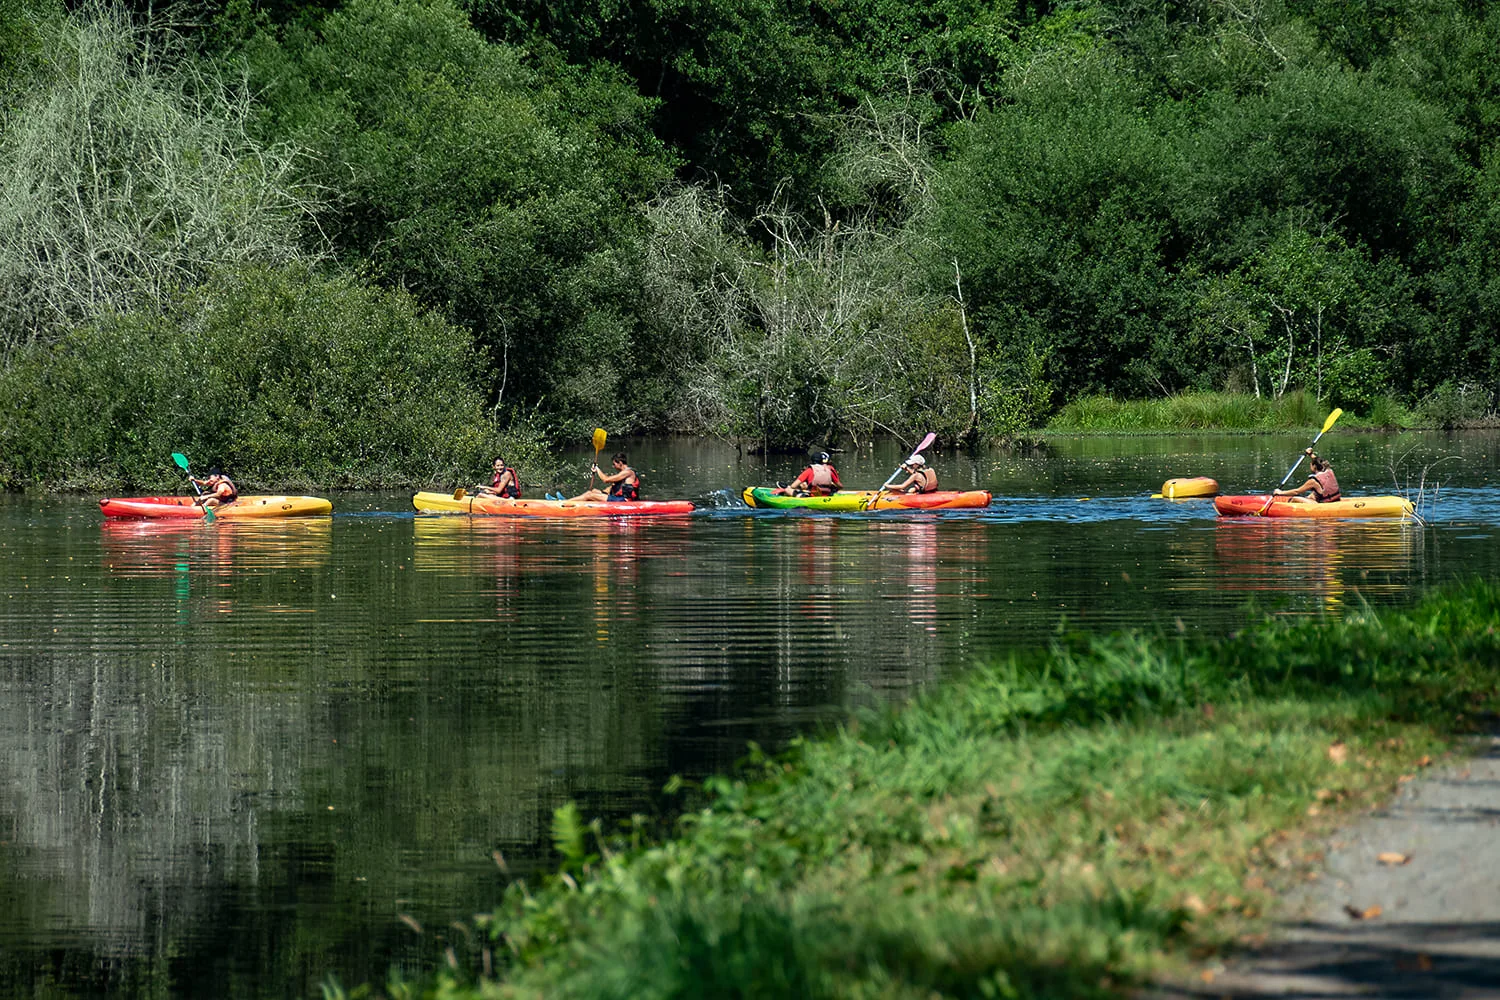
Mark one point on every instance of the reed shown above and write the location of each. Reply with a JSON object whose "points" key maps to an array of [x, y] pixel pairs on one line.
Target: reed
{"points": [[1214, 411], [1068, 823]]}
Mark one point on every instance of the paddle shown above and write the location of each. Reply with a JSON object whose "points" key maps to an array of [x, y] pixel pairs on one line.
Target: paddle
{"points": [[599, 438], [182, 463], [926, 442], [1326, 424]]}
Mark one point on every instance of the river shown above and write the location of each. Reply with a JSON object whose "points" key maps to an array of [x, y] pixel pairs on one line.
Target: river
{"points": [[232, 756]]}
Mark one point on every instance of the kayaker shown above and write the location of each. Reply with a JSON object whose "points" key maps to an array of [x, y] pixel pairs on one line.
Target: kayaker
{"points": [[220, 489], [504, 483], [921, 478], [1322, 486], [624, 483], [819, 479]]}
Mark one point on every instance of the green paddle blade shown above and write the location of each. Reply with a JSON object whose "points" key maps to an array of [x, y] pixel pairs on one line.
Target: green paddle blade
{"points": [[181, 460]]}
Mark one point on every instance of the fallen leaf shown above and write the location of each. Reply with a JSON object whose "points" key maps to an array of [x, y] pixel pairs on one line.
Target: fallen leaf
{"points": [[1207, 975], [1255, 883], [1314, 811], [1404, 779], [1417, 963], [1424, 761], [1368, 913], [1323, 795], [1192, 902], [1392, 858], [1338, 753]]}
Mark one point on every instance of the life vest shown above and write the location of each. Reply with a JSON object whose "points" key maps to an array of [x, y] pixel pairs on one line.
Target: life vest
{"points": [[512, 489], [927, 482], [226, 495], [625, 489], [824, 476], [1328, 486]]}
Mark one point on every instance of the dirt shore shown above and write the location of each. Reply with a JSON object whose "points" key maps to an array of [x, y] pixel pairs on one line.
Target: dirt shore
{"points": [[1407, 904]]}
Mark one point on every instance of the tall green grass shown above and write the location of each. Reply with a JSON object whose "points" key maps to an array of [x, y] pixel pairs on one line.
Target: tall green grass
{"points": [[1059, 824], [1214, 411]]}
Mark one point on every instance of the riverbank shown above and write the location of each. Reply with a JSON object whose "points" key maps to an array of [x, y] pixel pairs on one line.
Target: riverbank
{"points": [[1240, 413], [1060, 824]]}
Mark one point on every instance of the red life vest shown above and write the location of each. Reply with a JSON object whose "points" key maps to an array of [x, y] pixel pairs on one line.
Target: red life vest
{"points": [[512, 489], [625, 489], [824, 476], [1328, 486]]}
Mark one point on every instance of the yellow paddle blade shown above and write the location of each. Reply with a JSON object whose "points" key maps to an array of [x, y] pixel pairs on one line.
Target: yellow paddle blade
{"points": [[599, 438], [1331, 418]]}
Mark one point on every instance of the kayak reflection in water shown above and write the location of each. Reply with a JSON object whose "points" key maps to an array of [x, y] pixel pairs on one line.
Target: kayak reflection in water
{"points": [[1322, 486], [504, 483], [817, 480], [921, 477], [624, 483], [221, 489]]}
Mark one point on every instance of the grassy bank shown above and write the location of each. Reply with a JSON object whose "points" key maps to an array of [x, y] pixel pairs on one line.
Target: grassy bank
{"points": [[1226, 411], [1060, 824]]}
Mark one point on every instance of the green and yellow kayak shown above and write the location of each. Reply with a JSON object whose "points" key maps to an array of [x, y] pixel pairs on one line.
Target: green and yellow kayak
{"points": [[765, 496]]}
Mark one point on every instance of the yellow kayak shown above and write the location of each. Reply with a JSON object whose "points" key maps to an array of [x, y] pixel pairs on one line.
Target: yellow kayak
{"points": [[1256, 506]]}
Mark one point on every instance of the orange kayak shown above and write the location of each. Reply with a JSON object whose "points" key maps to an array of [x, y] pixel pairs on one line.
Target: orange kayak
{"points": [[1253, 506], [444, 503]]}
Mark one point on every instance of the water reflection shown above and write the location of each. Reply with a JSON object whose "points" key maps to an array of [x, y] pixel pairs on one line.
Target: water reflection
{"points": [[1333, 561], [159, 548], [233, 753]]}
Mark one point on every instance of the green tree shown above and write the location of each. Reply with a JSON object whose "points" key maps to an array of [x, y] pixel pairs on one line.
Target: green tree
{"points": [[126, 173], [499, 191]]}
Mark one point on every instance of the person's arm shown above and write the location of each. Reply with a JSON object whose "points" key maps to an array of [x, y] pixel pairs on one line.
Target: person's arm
{"points": [[1306, 487], [613, 477], [901, 487], [834, 475]]}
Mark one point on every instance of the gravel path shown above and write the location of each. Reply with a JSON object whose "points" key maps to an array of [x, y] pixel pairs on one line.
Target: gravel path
{"points": [[1436, 934]]}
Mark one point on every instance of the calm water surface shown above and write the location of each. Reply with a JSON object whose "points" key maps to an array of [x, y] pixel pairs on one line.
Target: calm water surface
{"points": [[232, 755]]}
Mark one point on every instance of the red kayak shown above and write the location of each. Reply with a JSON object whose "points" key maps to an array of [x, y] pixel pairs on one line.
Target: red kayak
{"points": [[244, 507]]}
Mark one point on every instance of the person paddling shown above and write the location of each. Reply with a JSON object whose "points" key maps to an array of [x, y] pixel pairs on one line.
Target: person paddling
{"points": [[221, 489], [1322, 486], [819, 479], [921, 478], [504, 483], [624, 484]]}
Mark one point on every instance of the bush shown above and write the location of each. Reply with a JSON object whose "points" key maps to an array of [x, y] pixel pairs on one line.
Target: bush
{"points": [[1453, 405], [280, 376]]}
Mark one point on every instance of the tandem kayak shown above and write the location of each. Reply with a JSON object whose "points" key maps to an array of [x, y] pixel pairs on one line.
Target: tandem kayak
{"points": [[244, 507], [765, 496], [445, 503], [1241, 506], [1194, 486]]}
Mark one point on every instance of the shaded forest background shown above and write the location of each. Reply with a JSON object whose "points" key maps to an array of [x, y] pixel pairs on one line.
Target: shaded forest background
{"points": [[369, 242]]}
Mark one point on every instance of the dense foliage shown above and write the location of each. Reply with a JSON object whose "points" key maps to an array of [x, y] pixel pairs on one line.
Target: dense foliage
{"points": [[325, 381], [787, 221]]}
